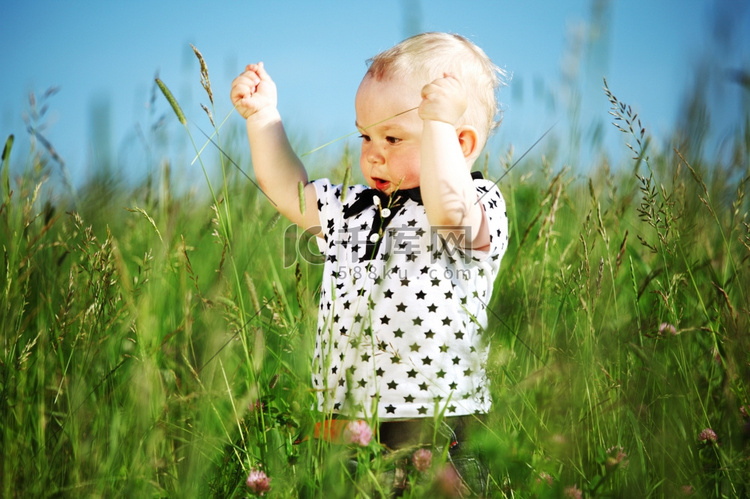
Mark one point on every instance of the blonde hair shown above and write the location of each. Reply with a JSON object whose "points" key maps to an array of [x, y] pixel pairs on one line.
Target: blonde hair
{"points": [[430, 55]]}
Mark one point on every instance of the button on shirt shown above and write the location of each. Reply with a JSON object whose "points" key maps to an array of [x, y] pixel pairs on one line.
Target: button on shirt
{"points": [[401, 319]]}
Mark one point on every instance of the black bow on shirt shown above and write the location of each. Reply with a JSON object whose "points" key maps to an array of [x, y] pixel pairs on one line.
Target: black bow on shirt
{"points": [[389, 205]]}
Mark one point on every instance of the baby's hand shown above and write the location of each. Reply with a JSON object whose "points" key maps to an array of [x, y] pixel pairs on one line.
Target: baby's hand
{"points": [[443, 100], [253, 90]]}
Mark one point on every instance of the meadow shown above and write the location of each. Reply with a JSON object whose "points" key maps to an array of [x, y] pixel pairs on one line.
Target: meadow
{"points": [[156, 341]]}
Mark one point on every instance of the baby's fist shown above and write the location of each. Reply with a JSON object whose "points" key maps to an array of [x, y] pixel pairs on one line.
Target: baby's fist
{"points": [[443, 100], [253, 90]]}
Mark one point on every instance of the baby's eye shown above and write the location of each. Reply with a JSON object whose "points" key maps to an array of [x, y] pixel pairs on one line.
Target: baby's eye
{"points": [[392, 140], [364, 137]]}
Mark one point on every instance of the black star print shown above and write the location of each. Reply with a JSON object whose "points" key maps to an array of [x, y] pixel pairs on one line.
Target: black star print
{"points": [[447, 321], [417, 321], [426, 361], [392, 385], [429, 334], [385, 319], [380, 372], [388, 293], [423, 387], [432, 307], [459, 335], [414, 347], [404, 282], [398, 333], [409, 399], [422, 410], [401, 307], [421, 295], [411, 373], [390, 409]]}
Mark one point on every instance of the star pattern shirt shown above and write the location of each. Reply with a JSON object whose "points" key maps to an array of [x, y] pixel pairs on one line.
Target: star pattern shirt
{"points": [[399, 330]]}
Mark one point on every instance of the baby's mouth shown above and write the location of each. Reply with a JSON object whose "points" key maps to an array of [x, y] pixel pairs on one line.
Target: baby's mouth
{"points": [[381, 184]]}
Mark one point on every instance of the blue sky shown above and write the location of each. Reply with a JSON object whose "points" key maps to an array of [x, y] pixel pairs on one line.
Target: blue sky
{"points": [[104, 55]]}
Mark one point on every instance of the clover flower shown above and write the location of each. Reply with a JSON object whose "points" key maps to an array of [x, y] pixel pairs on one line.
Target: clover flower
{"points": [[449, 482], [573, 492], [546, 478], [708, 436], [258, 482], [616, 457], [422, 459], [665, 328], [358, 432]]}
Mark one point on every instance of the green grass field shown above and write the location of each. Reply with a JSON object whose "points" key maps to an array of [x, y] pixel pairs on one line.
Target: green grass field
{"points": [[155, 343]]}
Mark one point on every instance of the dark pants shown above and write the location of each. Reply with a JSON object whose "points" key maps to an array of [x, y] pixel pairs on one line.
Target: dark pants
{"points": [[450, 431], [466, 459]]}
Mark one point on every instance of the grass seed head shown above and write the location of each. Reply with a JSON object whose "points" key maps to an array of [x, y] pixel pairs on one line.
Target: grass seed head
{"points": [[172, 101], [204, 75]]}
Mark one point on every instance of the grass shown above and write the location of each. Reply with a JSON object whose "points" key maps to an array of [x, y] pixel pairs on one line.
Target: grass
{"points": [[156, 344]]}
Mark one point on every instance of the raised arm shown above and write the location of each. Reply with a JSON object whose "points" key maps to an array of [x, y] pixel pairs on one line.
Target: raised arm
{"points": [[277, 168], [448, 192]]}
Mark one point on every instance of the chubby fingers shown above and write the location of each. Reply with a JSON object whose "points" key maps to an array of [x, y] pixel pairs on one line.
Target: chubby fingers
{"points": [[443, 99], [246, 84]]}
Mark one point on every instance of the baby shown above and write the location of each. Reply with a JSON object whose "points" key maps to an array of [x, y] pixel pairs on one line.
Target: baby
{"points": [[411, 257]]}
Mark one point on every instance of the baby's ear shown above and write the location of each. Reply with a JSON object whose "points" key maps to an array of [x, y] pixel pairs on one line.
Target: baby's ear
{"points": [[469, 141]]}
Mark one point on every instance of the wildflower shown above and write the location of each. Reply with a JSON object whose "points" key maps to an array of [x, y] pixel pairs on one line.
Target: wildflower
{"points": [[707, 436], [717, 356], [616, 457], [449, 482], [358, 432], [545, 477], [422, 459], [573, 492], [665, 328], [258, 482], [743, 411]]}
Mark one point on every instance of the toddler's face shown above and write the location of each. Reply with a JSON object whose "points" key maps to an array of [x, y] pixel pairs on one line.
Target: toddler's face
{"points": [[390, 156]]}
